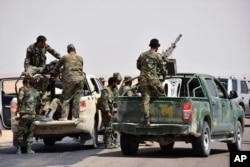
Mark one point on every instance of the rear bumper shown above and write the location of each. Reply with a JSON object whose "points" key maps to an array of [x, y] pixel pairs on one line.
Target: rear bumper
{"points": [[153, 129], [54, 128]]}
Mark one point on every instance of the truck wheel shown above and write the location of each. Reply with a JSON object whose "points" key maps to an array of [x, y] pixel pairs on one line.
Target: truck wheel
{"points": [[236, 146], [49, 141], [167, 147], [202, 145], [129, 145]]}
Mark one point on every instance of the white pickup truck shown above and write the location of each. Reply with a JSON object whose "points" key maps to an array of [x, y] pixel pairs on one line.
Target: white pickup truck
{"points": [[85, 130], [241, 87]]}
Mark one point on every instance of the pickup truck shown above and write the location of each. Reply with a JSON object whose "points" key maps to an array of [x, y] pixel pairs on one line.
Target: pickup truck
{"points": [[196, 109], [239, 85], [85, 130]]}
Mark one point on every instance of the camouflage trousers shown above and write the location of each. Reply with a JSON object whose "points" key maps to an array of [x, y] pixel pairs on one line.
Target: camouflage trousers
{"points": [[25, 132], [109, 135], [149, 87], [72, 92]]}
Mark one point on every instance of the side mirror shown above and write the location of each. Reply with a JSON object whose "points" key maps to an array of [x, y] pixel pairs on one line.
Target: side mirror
{"points": [[233, 95]]}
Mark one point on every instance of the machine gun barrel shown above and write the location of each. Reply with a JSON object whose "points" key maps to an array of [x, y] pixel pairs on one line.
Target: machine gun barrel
{"points": [[168, 52]]}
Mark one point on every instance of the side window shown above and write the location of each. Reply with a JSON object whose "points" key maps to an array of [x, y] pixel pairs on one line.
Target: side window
{"points": [[220, 90], [86, 89], [235, 87], [211, 87], [243, 85], [97, 85]]}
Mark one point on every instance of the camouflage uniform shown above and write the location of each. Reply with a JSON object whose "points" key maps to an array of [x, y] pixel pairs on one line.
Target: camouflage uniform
{"points": [[72, 78], [117, 76], [105, 103], [126, 89], [148, 63], [35, 60], [28, 99]]}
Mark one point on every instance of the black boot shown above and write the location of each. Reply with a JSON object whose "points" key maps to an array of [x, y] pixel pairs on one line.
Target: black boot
{"points": [[29, 150]]}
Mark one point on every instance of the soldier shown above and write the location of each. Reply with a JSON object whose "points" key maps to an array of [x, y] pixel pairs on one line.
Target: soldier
{"points": [[117, 76], [72, 78], [106, 106], [35, 60], [126, 89], [28, 99], [148, 63]]}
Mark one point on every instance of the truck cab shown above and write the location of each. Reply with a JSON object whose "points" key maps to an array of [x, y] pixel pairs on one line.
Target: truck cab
{"points": [[241, 87]]}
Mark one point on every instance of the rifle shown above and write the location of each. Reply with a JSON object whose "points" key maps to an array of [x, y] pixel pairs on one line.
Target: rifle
{"points": [[168, 52]]}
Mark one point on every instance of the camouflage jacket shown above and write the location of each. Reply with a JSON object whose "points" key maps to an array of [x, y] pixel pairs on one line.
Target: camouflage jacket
{"points": [[72, 67], [150, 64], [126, 91], [36, 58], [28, 100], [105, 102]]}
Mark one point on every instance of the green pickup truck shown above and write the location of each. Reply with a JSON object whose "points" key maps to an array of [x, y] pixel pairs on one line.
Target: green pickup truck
{"points": [[196, 109]]}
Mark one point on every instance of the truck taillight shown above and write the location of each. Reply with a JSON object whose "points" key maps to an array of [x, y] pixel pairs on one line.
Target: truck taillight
{"points": [[186, 112], [83, 105]]}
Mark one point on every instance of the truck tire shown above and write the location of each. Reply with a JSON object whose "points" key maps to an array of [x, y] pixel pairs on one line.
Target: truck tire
{"points": [[202, 145], [236, 146], [167, 147], [49, 141], [129, 145]]}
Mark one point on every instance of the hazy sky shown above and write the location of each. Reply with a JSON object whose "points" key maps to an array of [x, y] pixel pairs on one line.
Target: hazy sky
{"points": [[111, 34]]}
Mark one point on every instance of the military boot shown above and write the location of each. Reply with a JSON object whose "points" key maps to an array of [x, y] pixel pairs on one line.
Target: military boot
{"points": [[29, 150], [18, 150]]}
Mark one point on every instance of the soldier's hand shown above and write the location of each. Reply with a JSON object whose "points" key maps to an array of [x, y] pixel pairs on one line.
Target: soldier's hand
{"points": [[109, 114]]}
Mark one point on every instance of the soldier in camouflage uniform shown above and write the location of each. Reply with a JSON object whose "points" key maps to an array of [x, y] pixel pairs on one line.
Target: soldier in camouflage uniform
{"points": [[149, 63], [72, 78], [126, 89], [28, 99], [35, 60], [105, 103], [117, 76]]}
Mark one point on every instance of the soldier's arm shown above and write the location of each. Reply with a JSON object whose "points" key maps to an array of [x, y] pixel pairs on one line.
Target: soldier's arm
{"points": [[20, 96], [139, 62], [27, 58], [105, 100], [53, 52], [161, 66], [59, 64]]}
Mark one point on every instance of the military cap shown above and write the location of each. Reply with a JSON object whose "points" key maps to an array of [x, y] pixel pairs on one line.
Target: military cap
{"points": [[117, 76], [127, 77], [70, 46], [154, 43]]}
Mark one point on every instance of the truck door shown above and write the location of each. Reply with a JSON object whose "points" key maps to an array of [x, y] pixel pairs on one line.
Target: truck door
{"points": [[7, 88], [227, 122], [244, 93], [216, 106]]}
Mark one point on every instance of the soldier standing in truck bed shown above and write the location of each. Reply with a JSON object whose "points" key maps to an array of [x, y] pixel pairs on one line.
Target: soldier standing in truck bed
{"points": [[72, 78], [148, 63]]}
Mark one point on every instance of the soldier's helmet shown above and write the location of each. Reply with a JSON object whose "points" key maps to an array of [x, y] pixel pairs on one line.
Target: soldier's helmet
{"points": [[117, 76], [126, 78], [70, 46], [154, 43]]}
